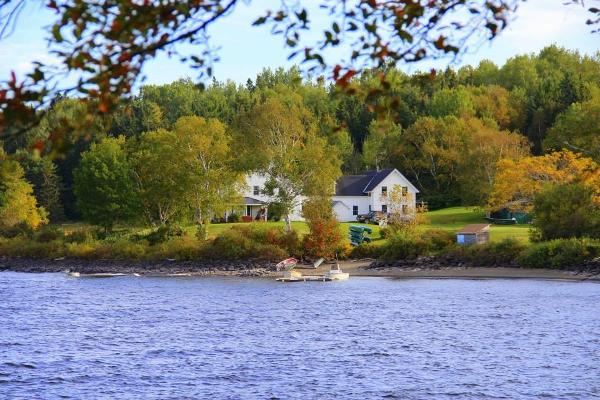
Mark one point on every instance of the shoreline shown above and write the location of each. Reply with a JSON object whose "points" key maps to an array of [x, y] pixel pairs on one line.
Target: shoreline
{"points": [[264, 269]]}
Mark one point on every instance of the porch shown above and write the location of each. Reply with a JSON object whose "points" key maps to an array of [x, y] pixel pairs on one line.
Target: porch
{"points": [[254, 210]]}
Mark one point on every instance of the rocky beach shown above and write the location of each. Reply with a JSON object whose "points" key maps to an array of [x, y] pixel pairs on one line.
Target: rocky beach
{"points": [[422, 267]]}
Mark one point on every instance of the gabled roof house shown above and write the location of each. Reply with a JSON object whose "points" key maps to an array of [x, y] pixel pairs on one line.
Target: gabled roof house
{"points": [[360, 194], [354, 194]]}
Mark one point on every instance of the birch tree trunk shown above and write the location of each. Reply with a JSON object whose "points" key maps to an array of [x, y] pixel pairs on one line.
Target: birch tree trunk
{"points": [[288, 223]]}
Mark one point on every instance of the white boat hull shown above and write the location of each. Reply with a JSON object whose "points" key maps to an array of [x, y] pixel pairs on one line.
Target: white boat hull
{"points": [[337, 276]]}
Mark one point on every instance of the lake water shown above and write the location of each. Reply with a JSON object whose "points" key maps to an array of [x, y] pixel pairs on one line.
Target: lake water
{"points": [[230, 338]]}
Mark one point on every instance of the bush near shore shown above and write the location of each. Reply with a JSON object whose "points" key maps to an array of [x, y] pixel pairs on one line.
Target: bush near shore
{"points": [[239, 242], [269, 242]]}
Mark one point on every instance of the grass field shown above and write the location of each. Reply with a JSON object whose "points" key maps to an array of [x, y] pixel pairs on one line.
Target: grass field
{"points": [[454, 218], [450, 219]]}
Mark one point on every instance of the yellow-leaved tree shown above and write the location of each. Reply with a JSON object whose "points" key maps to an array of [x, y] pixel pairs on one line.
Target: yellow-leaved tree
{"points": [[518, 181], [17, 202]]}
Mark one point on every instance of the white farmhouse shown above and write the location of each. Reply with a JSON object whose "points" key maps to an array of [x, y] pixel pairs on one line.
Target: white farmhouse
{"points": [[360, 194], [256, 201], [354, 194]]}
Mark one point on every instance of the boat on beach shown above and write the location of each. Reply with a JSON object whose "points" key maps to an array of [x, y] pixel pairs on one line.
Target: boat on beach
{"points": [[336, 274], [292, 275]]}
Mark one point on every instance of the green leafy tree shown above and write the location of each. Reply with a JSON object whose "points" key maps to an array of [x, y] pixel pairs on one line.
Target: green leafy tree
{"points": [[296, 162], [564, 211], [578, 128], [17, 203], [104, 185], [383, 136], [430, 152], [485, 146], [206, 149], [162, 176], [451, 102], [492, 102], [63, 134]]}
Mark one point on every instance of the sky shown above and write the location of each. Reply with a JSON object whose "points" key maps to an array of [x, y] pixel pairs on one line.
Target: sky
{"points": [[246, 50]]}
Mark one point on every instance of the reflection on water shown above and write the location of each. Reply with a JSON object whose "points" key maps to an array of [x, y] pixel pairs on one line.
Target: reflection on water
{"points": [[193, 338]]}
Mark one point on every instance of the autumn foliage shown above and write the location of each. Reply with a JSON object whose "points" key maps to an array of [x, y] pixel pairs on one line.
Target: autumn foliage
{"points": [[324, 238], [518, 182]]}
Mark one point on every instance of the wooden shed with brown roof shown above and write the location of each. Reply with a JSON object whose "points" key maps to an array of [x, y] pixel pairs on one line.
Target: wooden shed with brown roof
{"points": [[474, 234]]}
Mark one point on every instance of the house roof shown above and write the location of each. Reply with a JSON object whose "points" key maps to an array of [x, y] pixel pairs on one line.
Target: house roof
{"points": [[351, 185], [376, 178], [474, 228], [337, 202], [251, 201], [360, 185]]}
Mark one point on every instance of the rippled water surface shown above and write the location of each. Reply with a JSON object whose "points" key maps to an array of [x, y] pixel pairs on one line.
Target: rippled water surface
{"points": [[207, 338]]}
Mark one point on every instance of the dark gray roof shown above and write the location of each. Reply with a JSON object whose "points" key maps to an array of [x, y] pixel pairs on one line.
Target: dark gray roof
{"points": [[359, 185], [250, 201], [377, 177]]}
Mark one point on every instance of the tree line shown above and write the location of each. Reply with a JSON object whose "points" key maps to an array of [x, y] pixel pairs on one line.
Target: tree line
{"points": [[180, 151]]}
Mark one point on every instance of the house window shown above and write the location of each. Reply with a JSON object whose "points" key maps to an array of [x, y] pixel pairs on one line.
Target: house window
{"points": [[404, 209], [248, 210], [370, 208], [256, 190], [384, 190], [384, 208], [354, 210], [404, 190]]}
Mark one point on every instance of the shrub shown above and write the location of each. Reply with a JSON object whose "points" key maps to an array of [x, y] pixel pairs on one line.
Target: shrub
{"points": [[438, 239], [252, 241], [178, 248], [24, 247], [565, 211], [164, 233], [87, 250], [20, 229], [384, 232], [366, 250], [125, 249], [233, 217], [502, 253], [261, 234], [230, 244], [275, 211], [49, 233], [323, 240], [404, 245], [344, 250], [79, 236], [560, 253], [324, 237], [270, 252]]}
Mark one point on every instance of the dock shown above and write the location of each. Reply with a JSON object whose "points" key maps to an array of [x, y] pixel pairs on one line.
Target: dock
{"points": [[305, 278]]}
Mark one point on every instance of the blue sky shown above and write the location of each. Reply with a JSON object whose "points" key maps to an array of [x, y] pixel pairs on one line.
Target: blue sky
{"points": [[246, 50]]}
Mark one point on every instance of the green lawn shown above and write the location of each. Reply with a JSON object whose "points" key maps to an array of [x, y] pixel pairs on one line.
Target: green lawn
{"points": [[455, 218], [450, 219]]}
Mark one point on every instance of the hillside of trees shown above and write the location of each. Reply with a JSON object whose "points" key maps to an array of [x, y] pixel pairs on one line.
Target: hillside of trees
{"points": [[445, 130]]}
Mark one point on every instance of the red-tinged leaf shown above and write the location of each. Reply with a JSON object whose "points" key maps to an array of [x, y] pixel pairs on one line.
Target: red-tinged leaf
{"points": [[336, 71], [39, 145]]}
